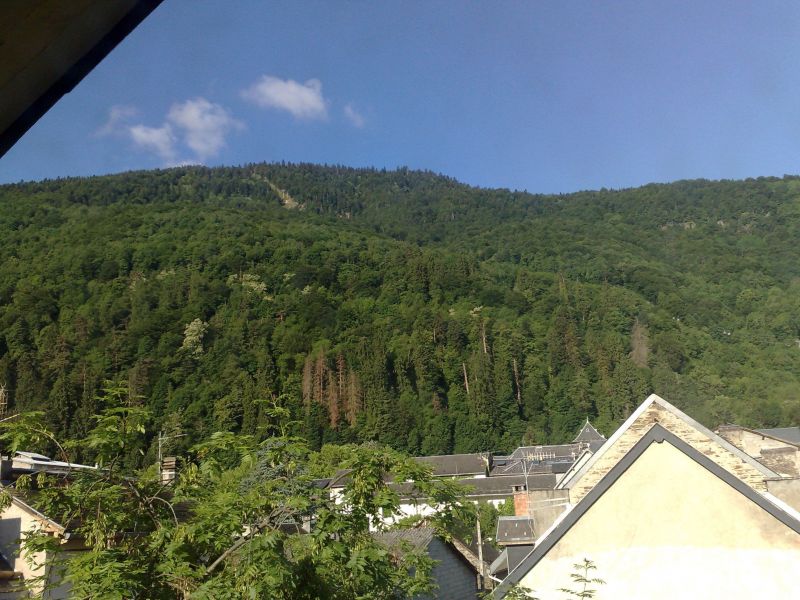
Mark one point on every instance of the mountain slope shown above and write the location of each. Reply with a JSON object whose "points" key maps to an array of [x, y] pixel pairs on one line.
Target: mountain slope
{"points": [[401, 306]]}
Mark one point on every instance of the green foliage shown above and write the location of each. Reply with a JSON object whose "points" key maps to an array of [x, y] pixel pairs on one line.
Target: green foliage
{"points": [[580, 576], [515, 592], [395, 306], [465, 527], [228, 526]]}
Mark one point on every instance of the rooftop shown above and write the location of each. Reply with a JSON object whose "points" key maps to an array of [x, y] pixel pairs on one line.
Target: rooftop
{"points": [[515, 530], [787, 434], [457, 464], [32, 462], [589, 434]]}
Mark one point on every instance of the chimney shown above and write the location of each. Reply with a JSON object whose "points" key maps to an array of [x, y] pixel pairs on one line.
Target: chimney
{"points": [[488, 461], [169, 469], [521, 501], [5, 468]]}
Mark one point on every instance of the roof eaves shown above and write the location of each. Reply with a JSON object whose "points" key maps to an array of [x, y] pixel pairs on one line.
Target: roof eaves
{"points": [[564, 480], [17, 501], [780, 433], [655, 399], [467, 555], [80, 69]]}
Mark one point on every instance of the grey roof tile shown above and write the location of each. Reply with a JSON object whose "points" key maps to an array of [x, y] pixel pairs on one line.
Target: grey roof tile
{"points": [[789, 434], [515, 530]]}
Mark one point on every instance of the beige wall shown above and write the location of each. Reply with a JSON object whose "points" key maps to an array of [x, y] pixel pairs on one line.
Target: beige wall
{"points": [[787, 490], [656, 413], [670, 529], [14, 522], [543, 506]]}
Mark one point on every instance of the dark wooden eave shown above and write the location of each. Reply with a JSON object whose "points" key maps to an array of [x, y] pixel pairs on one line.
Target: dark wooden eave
{"points": [[48, 46]]}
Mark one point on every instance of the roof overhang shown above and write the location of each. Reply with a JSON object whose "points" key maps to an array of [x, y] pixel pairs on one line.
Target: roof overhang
{"points": [[48, 46]]}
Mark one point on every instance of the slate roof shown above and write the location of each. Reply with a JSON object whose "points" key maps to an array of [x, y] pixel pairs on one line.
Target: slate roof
{"points": [[787, 434], [589, 434], [5, 566], [502, 483], [515, 530], [520, 466], [418, 538], [509, 558], [447, 465], [453, 465], [495, 485]]}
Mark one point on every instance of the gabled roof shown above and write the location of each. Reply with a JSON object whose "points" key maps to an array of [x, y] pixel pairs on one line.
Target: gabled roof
{"points": [[589, 434], [419, 538], [21, 501], [656, 434], [573, 478]]}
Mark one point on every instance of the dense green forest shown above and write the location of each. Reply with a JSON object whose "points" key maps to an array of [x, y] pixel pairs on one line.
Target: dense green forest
{"points": [[398, 306]]}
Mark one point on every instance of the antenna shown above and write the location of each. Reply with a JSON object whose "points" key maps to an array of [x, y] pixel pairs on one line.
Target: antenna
{"points": [[163, 438], [3, 400]]}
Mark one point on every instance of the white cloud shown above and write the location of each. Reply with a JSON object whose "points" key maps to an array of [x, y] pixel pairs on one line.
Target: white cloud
{"points": [[197, 124], [355, 117], [302, 100], [158, 140], [204, 125], [118, 115]]}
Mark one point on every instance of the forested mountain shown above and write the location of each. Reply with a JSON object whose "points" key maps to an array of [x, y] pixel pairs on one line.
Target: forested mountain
{"points": [[400, 306]]}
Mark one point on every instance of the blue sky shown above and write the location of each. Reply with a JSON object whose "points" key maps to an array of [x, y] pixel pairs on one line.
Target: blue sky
{"points": [[543, 96]]}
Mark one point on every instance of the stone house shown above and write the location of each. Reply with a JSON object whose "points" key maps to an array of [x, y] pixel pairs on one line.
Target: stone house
{"points": [[669, 509], [19, 516]]}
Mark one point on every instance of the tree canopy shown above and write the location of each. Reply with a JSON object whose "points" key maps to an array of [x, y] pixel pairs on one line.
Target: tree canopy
{"points": [[399, 306], [243, 518]]}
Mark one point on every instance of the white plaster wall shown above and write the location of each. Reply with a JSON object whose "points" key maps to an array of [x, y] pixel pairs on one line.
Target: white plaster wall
{"points": [[424, 509], [14, 521], [669, 529]]}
